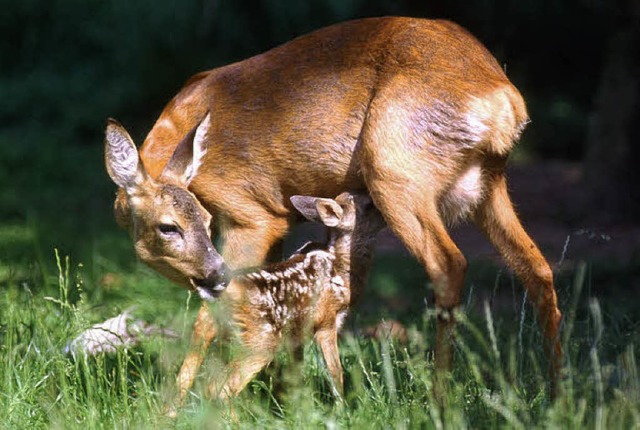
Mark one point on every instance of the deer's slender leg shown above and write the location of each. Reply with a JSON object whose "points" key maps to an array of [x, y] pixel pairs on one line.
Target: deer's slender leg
{"points": [[418, 225], [327, 340], [406, 190], [253, 244], [239, 373], [497, 218], [204, 331], [446, 267]]}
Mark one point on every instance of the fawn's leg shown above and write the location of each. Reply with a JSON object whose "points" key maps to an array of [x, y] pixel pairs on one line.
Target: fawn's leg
{"points": [[239, 373], [327, 340], [497, 218], [204, 331]]}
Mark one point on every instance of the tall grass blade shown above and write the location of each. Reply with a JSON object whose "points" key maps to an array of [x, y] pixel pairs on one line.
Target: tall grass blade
{"points": [[570, 318], [492, 333], [523, 313], [596, 313], [387, 368]]}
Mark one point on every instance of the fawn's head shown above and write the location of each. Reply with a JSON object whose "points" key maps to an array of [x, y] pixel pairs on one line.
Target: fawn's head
{"points": [[169, 226], [350, 214]]}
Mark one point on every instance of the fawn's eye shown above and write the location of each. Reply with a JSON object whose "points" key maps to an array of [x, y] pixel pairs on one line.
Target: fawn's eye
{"points": [[169, 230]]}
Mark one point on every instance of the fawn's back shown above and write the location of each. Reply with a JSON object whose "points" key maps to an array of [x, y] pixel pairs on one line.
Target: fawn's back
{"points": [[287, 298]]}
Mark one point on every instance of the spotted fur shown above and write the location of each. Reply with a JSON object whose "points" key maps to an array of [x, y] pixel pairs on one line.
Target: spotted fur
{"points": [[310, 293], [284, 297]]}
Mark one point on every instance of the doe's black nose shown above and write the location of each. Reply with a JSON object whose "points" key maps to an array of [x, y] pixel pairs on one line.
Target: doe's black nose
{"points": [[219, 278]]}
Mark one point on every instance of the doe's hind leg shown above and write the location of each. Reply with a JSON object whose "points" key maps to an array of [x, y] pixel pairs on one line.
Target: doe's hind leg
{"points": [[415, 219], [405, 178], [497, 218]]}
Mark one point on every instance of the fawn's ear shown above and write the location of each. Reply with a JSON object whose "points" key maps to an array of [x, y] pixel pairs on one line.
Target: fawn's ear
{"points": [[121, 157], [188, 155], [325, 211]]}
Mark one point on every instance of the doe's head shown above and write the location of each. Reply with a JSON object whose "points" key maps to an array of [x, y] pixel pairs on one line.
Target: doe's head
{"points": [[169, 226]]}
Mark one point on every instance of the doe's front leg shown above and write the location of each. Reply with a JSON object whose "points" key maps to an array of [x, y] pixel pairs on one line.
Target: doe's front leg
{"points": [[250, 245]]}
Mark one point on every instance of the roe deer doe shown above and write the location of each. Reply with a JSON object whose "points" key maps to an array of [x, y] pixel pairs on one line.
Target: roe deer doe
{"points": [[416, 112], [308, 293]]}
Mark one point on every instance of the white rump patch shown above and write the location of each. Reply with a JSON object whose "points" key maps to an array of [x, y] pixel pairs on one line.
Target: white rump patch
{"points": [[463, 196]]}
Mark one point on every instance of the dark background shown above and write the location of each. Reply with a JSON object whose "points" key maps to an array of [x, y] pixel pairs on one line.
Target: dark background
{"points": [[67, 65]]}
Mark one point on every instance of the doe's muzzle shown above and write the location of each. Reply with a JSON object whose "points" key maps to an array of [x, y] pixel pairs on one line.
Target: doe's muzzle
{"points": [[215, 282]]}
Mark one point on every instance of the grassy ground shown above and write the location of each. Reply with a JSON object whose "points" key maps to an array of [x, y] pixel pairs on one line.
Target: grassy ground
{"points": [[55, 198], [498, 381]]}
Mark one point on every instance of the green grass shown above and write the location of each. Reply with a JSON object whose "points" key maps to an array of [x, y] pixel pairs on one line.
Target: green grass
{"points": [[498, 379]]}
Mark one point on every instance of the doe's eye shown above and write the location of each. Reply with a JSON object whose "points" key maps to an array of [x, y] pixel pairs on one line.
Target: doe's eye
{"points": [[168, 229]]}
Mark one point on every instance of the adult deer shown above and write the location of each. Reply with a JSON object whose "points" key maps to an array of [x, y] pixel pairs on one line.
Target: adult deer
{"points": [[417, 112]]}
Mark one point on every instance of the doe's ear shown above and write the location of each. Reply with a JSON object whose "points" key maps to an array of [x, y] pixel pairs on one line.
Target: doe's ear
{"points": [[188, 155], [316, 209], [121, 157]]}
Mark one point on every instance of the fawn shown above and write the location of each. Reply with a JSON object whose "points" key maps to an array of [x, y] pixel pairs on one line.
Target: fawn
{"points": [[309, 293]]}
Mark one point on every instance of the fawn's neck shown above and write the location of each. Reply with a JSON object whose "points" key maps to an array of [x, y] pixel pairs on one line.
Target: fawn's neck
{"points": [[353, 256]]}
